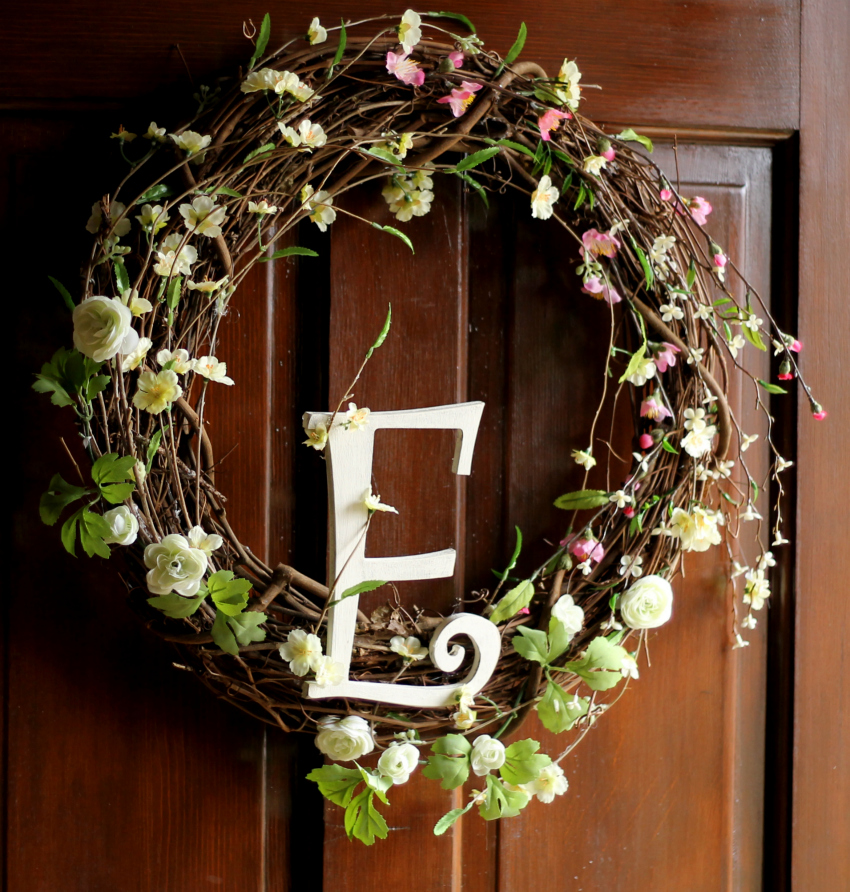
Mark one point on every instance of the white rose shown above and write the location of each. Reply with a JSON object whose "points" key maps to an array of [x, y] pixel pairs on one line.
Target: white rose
{"points": [[124, 526], [103, 327], [346, 739], [399, 762], [569, 614], [488, 754], [647, 604], [173, 565]]}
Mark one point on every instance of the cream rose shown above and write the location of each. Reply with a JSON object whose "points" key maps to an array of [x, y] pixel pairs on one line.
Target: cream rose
{"points": [[124, 526], [174, 566], [346, 739], [399, 762], [647, 604], [103, 327], [487, 755]]}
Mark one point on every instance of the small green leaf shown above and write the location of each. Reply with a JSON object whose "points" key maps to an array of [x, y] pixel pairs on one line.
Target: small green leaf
{"points": [[599, 666], [95, 385], [518, 597], [229, 595], [755, 487], [532, 644], [455, 16], [222, 635], [500, 802], [692, 276], [155, 193], [582, 194], [68, 534], [363, 821], [66, 296], [121, 277], [383, 155], [68, 373], [470, 180], [667, 446], [268, 147], [648, 274], [516, 49], [153, 447], [59, 495], [368, 586], [558, 711], [515, 555], [449, 819], [559, 639], [246, 627], [754, 337], [290, 252], [635, 362], [176, 606], [94, 528], [393, 231], [629, 135], [477, 158], [384, 332], [516, 146], [224, 190], [772, 388], [582, 499], [112, 468], [336, 783], [340, 49], [449, 761], [523, 763], [262, 40]]}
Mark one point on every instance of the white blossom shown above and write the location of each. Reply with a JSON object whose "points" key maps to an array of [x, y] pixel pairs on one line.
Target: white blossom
{"points": [[647, 604], [174, 566], [211, 368], [398, 762], [488, 754], [697, 530], [345, 739], [301, 650], [172, 259], [669, 312], [153, 218], [620, 498], [584, 457], [631, 565], [203, 216], [103, 327], [319, 206], [328, 673], [569, 614], [154, 133], [206, 542], [373, 503], [179, 358], [316, 33], [645, 370], [123, 526], [410, 649], [116, 210], [409, 31], [543, 198], [550, 783]]}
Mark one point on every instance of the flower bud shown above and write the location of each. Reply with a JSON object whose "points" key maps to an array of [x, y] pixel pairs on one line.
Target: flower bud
{"points": [[785, 373], [645, 441]]}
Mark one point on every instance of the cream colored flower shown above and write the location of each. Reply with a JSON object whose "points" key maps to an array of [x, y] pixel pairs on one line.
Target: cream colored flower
{"points": [[409, 31], [209, 367], [123, 525], [193, 144], [179, 358], [594, 164], [464, 718], [345, 739], [757, 589], [301, 650], [735, 344], [134, 358], [312, 136], [569, 614], [647, 603], [317, 437], [568, 90], [357, 418], [316, 33], [629, 667], [319, 206], [153, 218], [203, 216], [543, 198], [116, 209], [698, 441], [697, 531], [645, 370], [174, 566], [206, 287], [620, 498], [103, 327], [287, 82], [138, 306], [258, 80], [407, 205], [155, 134], [157, 391], [747, 440], [409, 649], [548, 784], [373, 503], [172, 259], [421, 179], [488, 754], [584, 458], [290, 134], [328, 673], [398, 762], [463, 697], [206, 542], [261, 207]]}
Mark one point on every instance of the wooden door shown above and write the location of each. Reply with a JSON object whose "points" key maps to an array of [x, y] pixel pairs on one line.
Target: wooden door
{"points": [[123, 774]]}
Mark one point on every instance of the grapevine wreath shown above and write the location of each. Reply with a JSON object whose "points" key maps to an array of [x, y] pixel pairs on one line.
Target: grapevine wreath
{"points": [[407, 104]]}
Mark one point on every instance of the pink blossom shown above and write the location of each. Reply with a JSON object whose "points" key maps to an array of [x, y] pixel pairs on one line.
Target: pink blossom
{"points": [[699, 209], [609, 154], [406, 70], [645, 440], [720, 260], [819, 416], [525, 611], [785, 376], [796, 346], [629, 511], [456, 59], [665, 195], [461, 97], [666, 357], [598, 244], [598, 289], [550, 120], [655, 410], [587, 548]]}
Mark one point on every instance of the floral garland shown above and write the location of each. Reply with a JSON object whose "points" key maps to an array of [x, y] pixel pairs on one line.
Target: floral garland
{"points": [[306, 124]]}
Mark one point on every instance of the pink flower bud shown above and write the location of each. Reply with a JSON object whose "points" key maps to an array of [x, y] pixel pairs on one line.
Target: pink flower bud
{"points": [[609, 154], [796, 346], [456, 59], [665, 195], [720, 260], [819, 416], [629, 512], [646, 441]]}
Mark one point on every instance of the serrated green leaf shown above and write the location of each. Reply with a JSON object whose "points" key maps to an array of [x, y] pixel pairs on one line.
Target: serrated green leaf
{"points": [[383, 155], [68, 373], [340, 49], [393, 231], [510, 144], [262, 40], [59, 495], [635, 362], [449, 761], [599, 666], [384, 332], [523, 763], [290, 252], [582, 499], [772, 388], [153, 447], [117, 493], [455, 16], [450, 818], [337, 784], [559, 639], [155, 193], [476, 158], [223, 636], [246, 627], [368, 586], [176, 606], [480, 190], [268, 147], [66, 295], [533, 644], [516, 49], [500, 802], [96, 385], [377, 784], [225, 190], [114, 469], [94, 528], [629, 135], [229, 595], [557, 710], [122, 279], [68, 533], [59, 397], [363, 821], [667, 446], [518, 597]]}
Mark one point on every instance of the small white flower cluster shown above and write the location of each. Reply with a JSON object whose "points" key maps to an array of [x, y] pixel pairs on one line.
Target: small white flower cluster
{"points": [[280, 82], [410, 195], [303, 652], [661, 262], [307, 137], [700, 434], [319, 205]]}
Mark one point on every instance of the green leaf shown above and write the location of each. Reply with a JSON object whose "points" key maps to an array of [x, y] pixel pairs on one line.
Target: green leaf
{"points": [[455, 16], [59, 495], [67, 374], [66, 296], [94, 528], [336, 783], [68, 533], [515, 555], [692, 276], [449, 819], [262, 40], [176, 606], [449, 761], [122, 279], [755, 487], [379, 785], [229, 595], [582, 499], [634, 363], [754, 337], [599, 666], [363, 821], [557, 710], [516, 49], [268, 147], [155, 193], [109, 473], [223, 636], [246, 627], [772, 388], [629, 135], [501, 802], [393, 231], [95, 385], [532, 644], [516, 146], [153, 448], [172, 297], [559, 639], [647, 269], [383, 335], [476, 158], [518, 597], [368, 586], [667, 446], [343, 39], [523, 763], [383, 155], [582, 194], [290, 252], [224, 190]]}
